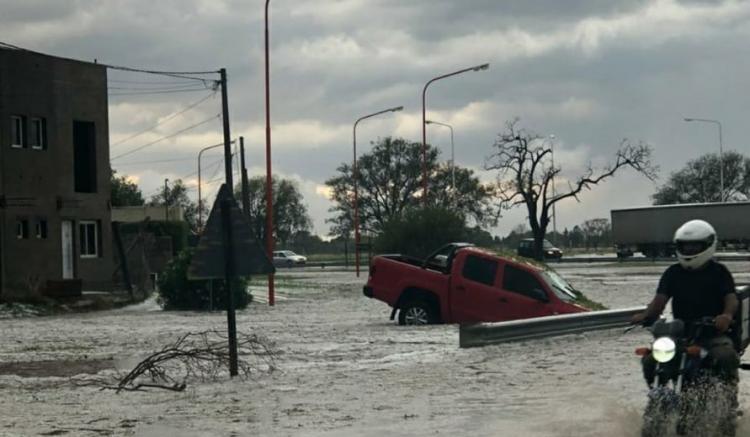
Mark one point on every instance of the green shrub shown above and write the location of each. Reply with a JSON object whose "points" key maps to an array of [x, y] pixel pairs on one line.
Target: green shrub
{"points": [[421, 231], [176, 292]]}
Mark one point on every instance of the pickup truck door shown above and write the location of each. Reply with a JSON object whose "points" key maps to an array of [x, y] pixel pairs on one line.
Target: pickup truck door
{"points": [[475, 295], [525, 296]]}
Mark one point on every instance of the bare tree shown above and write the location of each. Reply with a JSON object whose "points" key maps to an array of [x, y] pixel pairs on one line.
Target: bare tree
{"points": [[525, 174]]}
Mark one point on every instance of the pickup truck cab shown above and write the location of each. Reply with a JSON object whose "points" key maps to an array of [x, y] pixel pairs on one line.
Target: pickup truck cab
{"points": [[460, 283]]}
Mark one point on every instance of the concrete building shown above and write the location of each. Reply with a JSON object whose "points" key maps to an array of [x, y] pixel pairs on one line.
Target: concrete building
{"points": [[55, 229]]}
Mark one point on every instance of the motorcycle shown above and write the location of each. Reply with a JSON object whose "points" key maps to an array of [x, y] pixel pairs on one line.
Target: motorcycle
{"points": [[686, 396]]}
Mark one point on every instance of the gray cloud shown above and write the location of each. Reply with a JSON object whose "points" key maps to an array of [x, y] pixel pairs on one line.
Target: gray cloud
{"points": [[592, 72]]}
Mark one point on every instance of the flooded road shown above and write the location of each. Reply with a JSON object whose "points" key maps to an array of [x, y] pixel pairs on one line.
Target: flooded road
{"points": [[344, 369]]}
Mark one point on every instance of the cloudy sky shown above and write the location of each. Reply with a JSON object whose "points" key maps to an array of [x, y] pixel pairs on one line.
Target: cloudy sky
{"points": [[589, 72]]}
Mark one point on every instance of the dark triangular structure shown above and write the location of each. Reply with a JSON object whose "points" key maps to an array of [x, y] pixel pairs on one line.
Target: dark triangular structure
{"points": [[249, 256]]}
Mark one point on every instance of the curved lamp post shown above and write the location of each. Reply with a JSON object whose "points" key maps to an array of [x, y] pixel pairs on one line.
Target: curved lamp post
{"points": [[453, 155], [355, 175], [721, 151], [200, 202], [424, 121]]}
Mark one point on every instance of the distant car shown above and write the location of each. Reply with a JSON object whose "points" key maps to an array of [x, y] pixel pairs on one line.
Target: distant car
{"points": [[287, 258], [526, 249]]}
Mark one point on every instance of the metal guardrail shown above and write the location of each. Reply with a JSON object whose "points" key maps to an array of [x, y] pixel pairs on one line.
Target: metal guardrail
{"points": [[613, 259], [484, 334], [322, 265]]}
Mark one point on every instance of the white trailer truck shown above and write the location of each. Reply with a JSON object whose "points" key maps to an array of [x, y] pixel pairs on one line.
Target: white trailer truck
{"points": [[650, 229]]}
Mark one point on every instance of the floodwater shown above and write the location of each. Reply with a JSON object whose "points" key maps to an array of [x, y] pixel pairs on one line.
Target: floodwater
{"points": [[344, 369]]}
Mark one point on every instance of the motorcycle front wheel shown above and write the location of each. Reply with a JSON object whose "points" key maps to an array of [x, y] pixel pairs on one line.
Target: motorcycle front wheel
{"points": [[659, 412]]}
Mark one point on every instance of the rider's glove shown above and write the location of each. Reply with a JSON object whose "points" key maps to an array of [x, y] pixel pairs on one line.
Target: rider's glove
{"points": [[722, 322]]}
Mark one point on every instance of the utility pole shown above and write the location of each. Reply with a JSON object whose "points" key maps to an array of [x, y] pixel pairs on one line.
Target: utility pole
{"points": [[245, 188], [166, 200], [227, 229]]}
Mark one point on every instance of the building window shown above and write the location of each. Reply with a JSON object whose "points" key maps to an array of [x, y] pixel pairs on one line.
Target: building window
{"points": [[38, 133], [22, 229], [41, 229], [84, 157], [17, 131], [89, 236]]}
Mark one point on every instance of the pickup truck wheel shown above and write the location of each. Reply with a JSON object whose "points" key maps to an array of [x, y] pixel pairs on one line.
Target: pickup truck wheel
{"points": [[416, 312]]}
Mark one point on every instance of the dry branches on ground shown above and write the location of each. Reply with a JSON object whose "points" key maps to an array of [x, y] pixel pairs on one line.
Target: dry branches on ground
{"points": [[198, 356]]}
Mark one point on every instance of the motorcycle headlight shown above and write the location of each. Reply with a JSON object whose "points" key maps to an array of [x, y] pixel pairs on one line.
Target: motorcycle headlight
{"points": [[663, 349]]}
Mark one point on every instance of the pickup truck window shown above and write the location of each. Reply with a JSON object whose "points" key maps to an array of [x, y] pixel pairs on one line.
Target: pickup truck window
{"points": [[480, 270], [560, 287], [521, 282]]}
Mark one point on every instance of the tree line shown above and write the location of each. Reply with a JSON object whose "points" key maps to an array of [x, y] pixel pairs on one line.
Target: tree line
{"points": [[389, 181]]}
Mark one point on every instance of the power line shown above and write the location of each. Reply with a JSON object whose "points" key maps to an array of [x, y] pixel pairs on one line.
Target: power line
{"points": [[166, 137], [144, 82], [157, 92], [155, 86], [122, 164], [176, 74], [170, 117]]}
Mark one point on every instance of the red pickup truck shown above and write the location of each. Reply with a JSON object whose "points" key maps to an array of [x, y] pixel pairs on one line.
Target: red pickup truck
{"points": [[460, 283]]}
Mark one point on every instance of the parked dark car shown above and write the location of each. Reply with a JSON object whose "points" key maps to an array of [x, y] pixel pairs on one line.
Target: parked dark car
{"points": [[526, 249]]}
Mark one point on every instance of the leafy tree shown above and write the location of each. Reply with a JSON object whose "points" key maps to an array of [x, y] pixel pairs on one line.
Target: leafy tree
{"points": [[176, 195], [577, 237], [290, 215], [525, 175], [479, 237], [389, 181], [125, 192], [598, 232], [699, 181], [518, 233], [415, 234]]}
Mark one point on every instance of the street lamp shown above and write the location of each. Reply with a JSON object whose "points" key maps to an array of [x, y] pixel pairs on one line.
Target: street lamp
{"points": [[453, 156], [721, 150], [355, 175], [200, 202], [424, 121], [554, 193]]}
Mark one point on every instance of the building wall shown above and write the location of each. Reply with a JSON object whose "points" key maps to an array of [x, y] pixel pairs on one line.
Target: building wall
{"points": [[39, 184]]}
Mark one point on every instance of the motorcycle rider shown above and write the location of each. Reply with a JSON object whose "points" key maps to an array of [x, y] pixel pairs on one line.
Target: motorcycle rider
{"points": [[699, 287]]}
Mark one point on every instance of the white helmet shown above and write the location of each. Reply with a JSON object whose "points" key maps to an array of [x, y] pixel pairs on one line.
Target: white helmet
{"points": [[695, 244]]}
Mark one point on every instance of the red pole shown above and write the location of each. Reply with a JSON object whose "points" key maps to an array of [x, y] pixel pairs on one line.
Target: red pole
{"points": [[269, 178]]}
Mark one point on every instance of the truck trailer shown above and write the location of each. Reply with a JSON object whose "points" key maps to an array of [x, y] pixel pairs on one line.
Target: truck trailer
{"points": [[650, 229]]}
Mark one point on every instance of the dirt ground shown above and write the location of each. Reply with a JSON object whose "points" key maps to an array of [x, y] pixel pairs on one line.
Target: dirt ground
{"points": [[344, 369]]}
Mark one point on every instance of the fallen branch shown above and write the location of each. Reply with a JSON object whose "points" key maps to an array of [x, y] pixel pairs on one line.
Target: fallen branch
{"points": [[202, 356]]}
